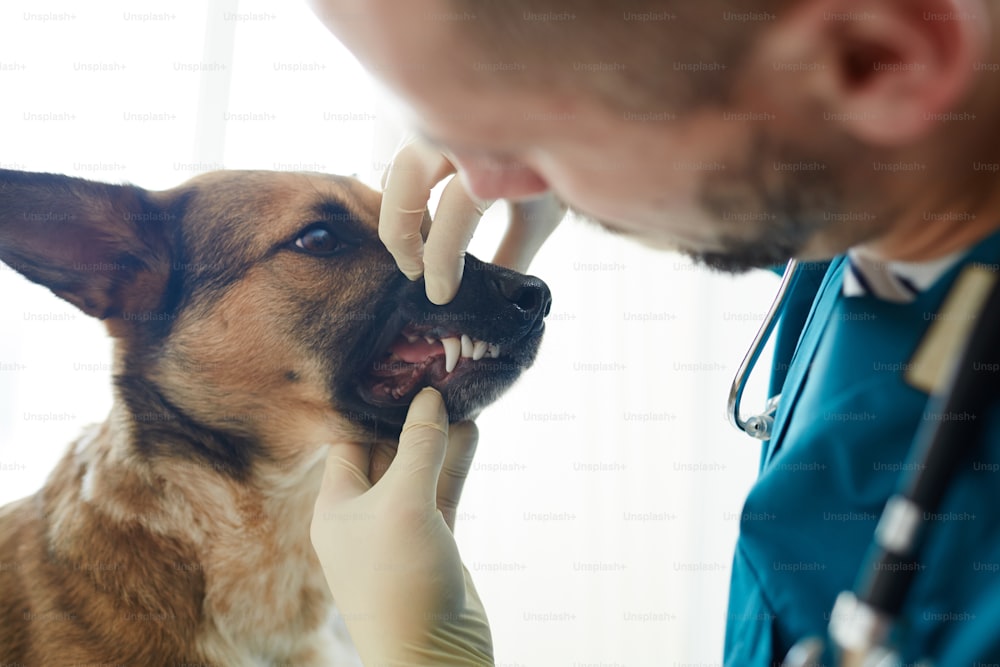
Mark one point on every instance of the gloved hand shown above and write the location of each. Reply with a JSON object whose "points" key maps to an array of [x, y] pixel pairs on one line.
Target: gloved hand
{"points": [[387, 548], [416, 168]]}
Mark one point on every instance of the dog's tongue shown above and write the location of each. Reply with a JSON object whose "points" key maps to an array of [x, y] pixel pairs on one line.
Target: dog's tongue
{"points": [[417, 351]]}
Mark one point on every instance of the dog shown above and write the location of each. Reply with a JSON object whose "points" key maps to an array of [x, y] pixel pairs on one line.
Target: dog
{"points": [[256, 318]]}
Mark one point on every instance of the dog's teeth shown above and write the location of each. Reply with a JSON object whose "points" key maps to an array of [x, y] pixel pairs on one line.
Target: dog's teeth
{"points": [[412, 338], [452, 350], [479, 349], [493, 351], [430, 340], [467, 347]]}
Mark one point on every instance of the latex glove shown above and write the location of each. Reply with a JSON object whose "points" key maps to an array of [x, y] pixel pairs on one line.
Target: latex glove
{"points": [[387, 549], [416, 168]]}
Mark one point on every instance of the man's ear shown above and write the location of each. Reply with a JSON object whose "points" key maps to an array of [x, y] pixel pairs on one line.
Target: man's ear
{"points": [[888, 69], [104, 248]]}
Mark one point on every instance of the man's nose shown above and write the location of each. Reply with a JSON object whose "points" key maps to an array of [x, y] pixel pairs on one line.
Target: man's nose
{"points": [[500, 179]]}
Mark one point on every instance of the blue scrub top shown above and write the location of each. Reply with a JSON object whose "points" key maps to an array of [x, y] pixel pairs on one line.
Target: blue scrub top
{"points": [[841, 437]]}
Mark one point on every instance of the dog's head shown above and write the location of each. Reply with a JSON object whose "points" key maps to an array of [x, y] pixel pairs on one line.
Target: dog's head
{"points": [[252, 304]]}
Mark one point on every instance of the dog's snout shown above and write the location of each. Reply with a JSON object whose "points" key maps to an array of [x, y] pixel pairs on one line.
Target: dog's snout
{"points": [[529, 295], [506, 305]]}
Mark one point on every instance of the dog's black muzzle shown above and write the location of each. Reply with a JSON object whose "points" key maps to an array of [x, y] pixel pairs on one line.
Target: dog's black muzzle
{"points": [[500, 305]]}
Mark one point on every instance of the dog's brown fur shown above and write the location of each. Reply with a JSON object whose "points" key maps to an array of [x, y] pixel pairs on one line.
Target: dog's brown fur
{"points": [[177, 532]]}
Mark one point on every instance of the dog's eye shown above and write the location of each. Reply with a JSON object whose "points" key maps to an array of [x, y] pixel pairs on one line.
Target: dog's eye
{"points": [[319, 241]]}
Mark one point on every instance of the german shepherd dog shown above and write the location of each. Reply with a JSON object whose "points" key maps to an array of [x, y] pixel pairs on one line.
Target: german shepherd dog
{"points": [[256, 318]]}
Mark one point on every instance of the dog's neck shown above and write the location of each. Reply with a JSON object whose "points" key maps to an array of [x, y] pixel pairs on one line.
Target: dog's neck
{"points": [[196, 496], [243, 542]]}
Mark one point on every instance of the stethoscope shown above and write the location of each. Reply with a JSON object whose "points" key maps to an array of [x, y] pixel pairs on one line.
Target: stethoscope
{"points": [[862, 620], [759, 426]]}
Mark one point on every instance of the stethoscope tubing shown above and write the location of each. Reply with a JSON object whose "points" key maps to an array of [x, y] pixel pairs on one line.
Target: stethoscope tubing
{"points": [[759, 426]]}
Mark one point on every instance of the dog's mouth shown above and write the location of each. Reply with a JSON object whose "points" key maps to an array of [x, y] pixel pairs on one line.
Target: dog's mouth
{"points": [[422, 356], [471, 350], [469, 370]]}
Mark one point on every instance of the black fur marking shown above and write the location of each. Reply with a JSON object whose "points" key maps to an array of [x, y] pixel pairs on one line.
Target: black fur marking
{"points": [[173, 294], [221, 266], [348, 225], [160, 429]]}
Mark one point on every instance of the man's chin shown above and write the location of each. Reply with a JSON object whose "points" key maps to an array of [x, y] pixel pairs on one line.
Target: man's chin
{"points": [[773, 247], [723, 262], [743, 259]]}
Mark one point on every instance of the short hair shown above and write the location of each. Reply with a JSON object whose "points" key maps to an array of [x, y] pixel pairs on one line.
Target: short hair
{"points": [[635, 55]]}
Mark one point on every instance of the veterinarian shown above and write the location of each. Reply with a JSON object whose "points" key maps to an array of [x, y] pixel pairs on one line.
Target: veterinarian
{"points": [[858, 137]]}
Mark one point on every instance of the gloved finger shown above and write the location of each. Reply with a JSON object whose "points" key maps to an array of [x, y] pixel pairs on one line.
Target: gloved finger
{"points": [[346, 474], [455, 220], [422, 443], [415, 169], [462, 440], [530, 224]]}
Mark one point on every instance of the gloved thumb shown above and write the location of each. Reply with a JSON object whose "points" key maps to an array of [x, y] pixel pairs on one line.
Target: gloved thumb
{"points": [[346, 474], [462, 440], [422, 444]]}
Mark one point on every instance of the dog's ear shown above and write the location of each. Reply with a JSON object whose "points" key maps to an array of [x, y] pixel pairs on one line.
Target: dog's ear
{"points": [[104, 248]]}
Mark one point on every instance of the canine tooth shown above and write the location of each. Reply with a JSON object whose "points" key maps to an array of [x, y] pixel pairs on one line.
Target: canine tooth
{"points": [[467, 346], [493, 351], [479, 350], [452, 350]]}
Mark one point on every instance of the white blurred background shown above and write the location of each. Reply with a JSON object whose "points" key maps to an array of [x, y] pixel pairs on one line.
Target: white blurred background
{"points": [[601, 513]]}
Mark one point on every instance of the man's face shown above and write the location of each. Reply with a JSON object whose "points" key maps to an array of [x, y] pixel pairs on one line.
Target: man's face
{"points": [[725, 185]]}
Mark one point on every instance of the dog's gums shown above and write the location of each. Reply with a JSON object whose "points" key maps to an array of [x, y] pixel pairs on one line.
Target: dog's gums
{"points": [[426, 356]]}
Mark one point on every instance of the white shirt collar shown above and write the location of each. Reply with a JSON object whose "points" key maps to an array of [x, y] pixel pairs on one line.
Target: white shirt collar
{"points": [[898, 282]]}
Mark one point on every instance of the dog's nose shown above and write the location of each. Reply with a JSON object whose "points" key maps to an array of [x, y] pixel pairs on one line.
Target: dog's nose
{"points": [[528, 294]]}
